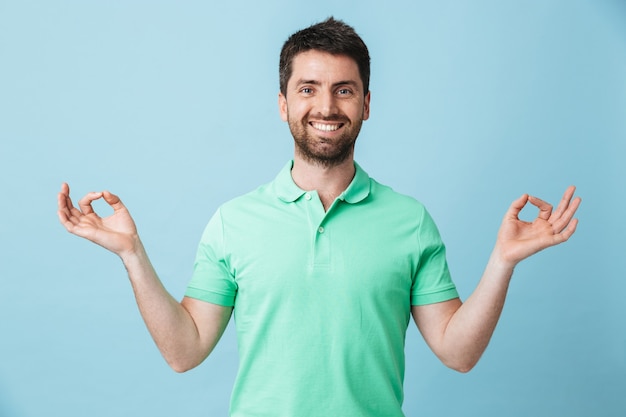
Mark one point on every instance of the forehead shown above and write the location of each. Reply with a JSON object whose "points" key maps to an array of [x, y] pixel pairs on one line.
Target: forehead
{"points": [[323, 67]]}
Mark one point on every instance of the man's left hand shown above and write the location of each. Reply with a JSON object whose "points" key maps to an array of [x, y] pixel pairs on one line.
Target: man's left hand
{"points": [[518, 239]]}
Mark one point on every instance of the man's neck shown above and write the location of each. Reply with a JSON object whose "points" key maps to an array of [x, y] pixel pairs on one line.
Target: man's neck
{"points": [[329, 182]]}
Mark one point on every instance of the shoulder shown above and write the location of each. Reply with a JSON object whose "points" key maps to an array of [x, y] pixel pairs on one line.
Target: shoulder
{"points": [[250, 201], [269, 194], [386, 196], [242, 212], [401, 209]]}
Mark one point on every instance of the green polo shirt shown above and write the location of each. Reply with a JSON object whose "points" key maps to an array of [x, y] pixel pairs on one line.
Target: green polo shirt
{"points": [[321, 299]]}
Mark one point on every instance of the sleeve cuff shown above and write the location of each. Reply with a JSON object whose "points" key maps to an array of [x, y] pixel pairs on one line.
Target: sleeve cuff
{"points": [[434, 297], [210, 297]]}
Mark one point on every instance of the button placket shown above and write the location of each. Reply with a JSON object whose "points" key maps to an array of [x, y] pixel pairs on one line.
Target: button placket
{"points": [[320, 249]]}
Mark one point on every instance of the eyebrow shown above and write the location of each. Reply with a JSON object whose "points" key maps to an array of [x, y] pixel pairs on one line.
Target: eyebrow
{"points": [[335, 85]]}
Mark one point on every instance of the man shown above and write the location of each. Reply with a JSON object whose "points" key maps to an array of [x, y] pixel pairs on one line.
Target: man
{"points": [[324, 266]]}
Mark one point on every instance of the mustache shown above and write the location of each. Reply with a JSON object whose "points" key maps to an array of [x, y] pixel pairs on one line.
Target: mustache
{"points": [[336, 117]]}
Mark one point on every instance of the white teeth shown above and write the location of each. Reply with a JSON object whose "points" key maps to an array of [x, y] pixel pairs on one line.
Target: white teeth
{"points": [[325, 127]]}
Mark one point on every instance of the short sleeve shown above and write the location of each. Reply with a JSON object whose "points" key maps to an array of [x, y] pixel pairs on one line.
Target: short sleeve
{"points": [[212, 280], [432, 282]]}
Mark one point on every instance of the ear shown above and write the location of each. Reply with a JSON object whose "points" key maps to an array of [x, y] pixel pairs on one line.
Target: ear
{"points": [[282, 106], [366, 106]]}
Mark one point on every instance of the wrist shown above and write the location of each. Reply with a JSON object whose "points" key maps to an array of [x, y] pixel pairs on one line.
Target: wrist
{"points": [[500, 261], [134, 250]]}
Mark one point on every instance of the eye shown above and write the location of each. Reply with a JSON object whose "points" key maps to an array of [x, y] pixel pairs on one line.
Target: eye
{"points": [[344, 91], [306, 90]]}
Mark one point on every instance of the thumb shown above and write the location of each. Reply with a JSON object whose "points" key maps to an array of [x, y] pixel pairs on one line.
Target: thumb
{"points": [[113, 200], [516, 207]]}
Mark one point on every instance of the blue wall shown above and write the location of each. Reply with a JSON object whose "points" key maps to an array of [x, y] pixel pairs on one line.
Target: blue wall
{"points": [[172, 105]]}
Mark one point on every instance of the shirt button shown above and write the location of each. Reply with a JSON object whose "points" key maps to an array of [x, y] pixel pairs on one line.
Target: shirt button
{"points": [[307, 196], [320, 229]]}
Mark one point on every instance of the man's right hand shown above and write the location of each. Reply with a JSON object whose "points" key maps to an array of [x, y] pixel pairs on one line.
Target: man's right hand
{"points": [[116, 233], [186, 332]]}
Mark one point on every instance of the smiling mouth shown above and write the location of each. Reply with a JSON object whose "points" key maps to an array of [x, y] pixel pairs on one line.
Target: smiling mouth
{"points": [[326, 127]]}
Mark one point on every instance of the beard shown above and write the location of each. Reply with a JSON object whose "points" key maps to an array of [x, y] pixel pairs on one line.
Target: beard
{"points": [[324, 151]]}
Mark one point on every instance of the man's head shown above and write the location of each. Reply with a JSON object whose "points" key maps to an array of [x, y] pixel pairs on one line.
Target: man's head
{"points": [[330, 36], [324, 96]]}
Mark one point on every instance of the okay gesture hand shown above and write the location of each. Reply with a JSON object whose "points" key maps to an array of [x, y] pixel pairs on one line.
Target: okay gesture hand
{"points": [[519, 239], [116, 233]]}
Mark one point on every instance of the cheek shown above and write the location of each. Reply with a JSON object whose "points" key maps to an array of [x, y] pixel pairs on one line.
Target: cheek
{"points": [[296, 111], [357, 113]]}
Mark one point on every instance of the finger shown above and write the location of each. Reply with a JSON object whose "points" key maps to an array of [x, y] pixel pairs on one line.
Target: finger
{"points": [[84, 204], [571, 228], [63, 198], [545, 208], [563, 204], [67, 221], [64, 202], [67, 216], [63, 214], [564, 221], [517, 206], [567, 233]]}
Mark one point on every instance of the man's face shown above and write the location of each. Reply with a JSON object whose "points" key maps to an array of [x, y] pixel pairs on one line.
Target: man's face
{"points": [[325, 106]]}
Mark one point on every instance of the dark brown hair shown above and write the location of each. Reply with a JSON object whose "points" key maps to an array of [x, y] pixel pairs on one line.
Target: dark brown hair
{"points": [[332, 36]]}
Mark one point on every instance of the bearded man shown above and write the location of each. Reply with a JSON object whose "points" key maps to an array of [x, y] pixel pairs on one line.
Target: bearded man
{"points": [[323, 267]]}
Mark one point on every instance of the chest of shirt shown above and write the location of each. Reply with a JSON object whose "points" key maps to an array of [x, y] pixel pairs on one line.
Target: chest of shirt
{"points": [[301, 251]]}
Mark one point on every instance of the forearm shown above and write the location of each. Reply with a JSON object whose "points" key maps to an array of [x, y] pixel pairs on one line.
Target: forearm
{"points": [[185, 332], [459, 333], [470, 328], [170, 324]]}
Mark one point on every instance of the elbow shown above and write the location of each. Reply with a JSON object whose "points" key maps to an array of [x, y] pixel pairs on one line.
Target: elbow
{"points": [[183, 360], [181, 365], [462, 368], [180, 368], [461, 365]]}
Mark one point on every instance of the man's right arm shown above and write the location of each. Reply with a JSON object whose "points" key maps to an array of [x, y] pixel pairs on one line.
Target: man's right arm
{"points": [[184, 332]]}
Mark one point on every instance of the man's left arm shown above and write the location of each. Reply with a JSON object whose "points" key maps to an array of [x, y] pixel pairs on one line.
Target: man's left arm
{"points": [[458, 333]]}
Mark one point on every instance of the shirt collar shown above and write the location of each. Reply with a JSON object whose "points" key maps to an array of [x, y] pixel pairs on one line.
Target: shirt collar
{"points": [[287, 190]]}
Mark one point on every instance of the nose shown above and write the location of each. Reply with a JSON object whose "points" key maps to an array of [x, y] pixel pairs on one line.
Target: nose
{"points": [[328, 104]]}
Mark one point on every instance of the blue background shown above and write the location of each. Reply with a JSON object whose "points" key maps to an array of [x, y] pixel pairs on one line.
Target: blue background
{"points": [[172, 105]]}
